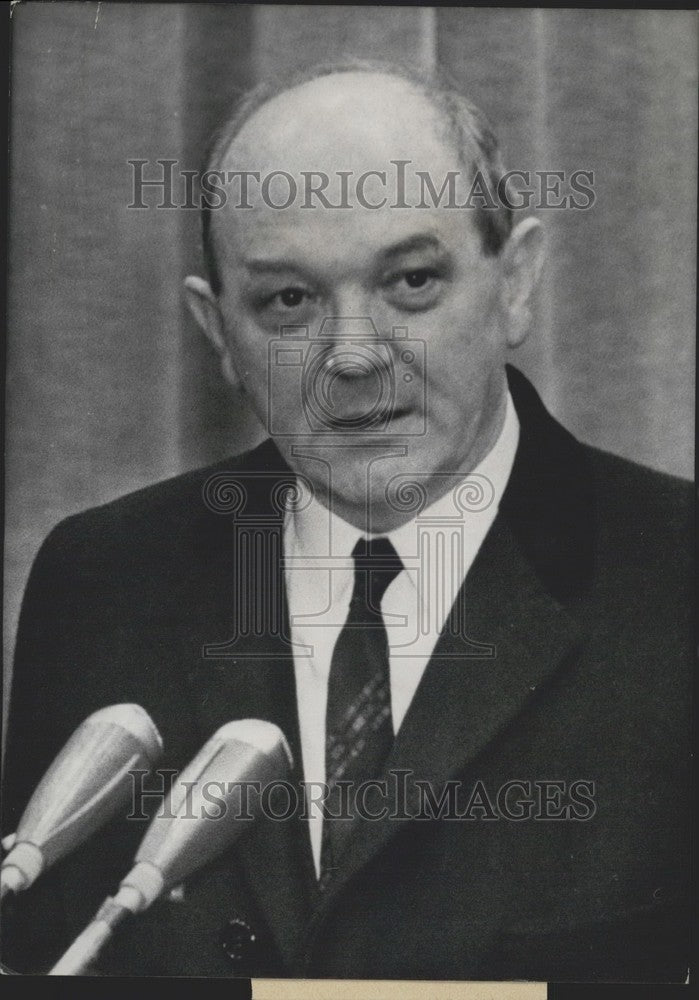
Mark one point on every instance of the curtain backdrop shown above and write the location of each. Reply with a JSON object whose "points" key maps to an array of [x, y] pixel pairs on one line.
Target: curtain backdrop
{"points": [[110, 386]]}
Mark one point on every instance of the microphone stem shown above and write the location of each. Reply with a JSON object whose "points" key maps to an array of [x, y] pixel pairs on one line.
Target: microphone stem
{"points": [[86, 948]]}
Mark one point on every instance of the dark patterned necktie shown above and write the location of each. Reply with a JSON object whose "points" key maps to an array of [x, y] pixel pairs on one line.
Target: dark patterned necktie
{"points": [[358, 723]]}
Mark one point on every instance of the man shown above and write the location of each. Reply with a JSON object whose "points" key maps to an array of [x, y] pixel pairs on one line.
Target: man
{"points": [[456, 594]]}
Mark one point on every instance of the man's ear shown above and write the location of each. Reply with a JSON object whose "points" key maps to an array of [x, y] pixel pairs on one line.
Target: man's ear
{"points": [[203, 305], [522, 260]]}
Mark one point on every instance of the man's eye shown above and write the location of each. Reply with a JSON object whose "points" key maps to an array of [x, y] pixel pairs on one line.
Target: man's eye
{"points": [[416, 288], [419, 278], [291, 297]]}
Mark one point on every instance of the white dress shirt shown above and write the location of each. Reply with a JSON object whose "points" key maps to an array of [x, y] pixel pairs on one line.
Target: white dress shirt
{"points": [[437, 548]]}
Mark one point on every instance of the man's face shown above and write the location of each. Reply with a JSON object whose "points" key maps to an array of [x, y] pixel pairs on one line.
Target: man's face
{"points": [[419, 389]]}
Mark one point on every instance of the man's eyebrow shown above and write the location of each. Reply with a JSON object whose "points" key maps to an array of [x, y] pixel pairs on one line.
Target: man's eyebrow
{"points": [[411, 244], [270, 266]]}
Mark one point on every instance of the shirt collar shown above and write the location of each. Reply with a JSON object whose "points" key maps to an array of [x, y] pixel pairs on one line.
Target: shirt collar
{"points": [[484, 485]]}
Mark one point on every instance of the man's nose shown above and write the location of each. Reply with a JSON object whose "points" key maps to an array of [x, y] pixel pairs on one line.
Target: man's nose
{"points": [[351, 318], [350, 300], [344, 329], [350, 347], [350, 336]]}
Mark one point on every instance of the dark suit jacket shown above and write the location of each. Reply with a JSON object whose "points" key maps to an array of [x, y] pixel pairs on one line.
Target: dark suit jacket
{"points": [[582, 586]]}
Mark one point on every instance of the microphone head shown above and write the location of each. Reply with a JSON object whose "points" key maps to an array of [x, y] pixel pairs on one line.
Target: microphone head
{"points": [[195, 825], [134, 720], [264, 736], [85, 786]]}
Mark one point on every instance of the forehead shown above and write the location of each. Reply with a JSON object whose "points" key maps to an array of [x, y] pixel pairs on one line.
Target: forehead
{"points": [[351, 124], [338, 122], [344, 244]]}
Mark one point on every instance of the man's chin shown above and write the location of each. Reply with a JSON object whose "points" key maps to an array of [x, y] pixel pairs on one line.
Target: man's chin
{"points": [[360, 473]]}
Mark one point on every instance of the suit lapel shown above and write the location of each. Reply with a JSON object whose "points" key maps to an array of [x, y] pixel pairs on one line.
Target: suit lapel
{"points": [[535, 561], [464, 701]]}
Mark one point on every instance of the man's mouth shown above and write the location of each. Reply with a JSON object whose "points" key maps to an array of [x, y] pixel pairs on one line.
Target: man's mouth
{"points": [[360, 420]]}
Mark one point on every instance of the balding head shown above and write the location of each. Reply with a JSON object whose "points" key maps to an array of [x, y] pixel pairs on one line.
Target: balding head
{"points": [[333, 120], [324, 117]]}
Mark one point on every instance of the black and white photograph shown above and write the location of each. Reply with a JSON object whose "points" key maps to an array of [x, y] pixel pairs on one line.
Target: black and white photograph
{"points": [[349, 520]]}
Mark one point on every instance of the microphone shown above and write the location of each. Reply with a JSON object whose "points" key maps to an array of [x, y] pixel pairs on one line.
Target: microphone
{"points": [[85, 786], [186, 833]]}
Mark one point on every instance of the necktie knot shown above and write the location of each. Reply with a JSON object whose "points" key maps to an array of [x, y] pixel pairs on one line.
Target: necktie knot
{"points": [[376, 565]]}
